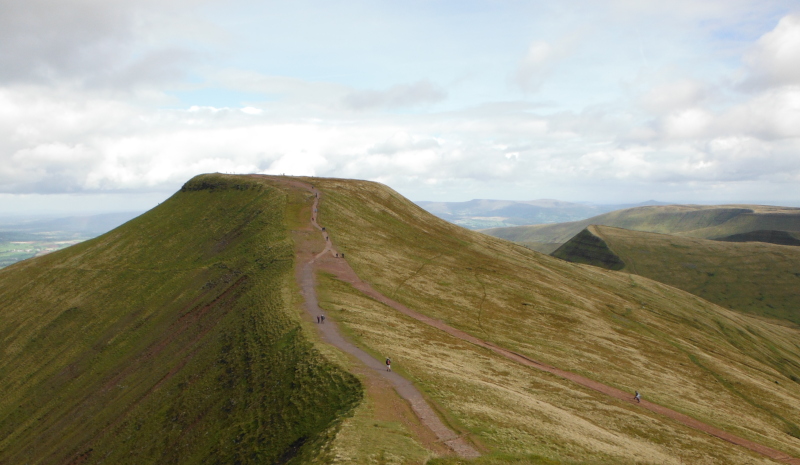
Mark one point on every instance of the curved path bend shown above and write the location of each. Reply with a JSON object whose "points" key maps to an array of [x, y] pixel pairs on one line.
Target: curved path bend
{"points": [[345, 273], [330, 334]]}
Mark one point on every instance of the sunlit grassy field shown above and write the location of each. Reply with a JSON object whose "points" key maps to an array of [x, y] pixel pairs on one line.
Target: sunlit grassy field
{"points": [[172, 339], [754, 277], [726, 369]]}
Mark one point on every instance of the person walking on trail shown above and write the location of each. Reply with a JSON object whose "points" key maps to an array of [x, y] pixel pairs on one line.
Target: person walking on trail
{"points": [[637, 397], [322, 318], [388, 364], [317, 319]]}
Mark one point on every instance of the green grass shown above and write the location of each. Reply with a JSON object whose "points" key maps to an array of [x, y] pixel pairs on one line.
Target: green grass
{"points": [[753, 277], [708, 222], [177, 339], [172, 339], [626, 331]]}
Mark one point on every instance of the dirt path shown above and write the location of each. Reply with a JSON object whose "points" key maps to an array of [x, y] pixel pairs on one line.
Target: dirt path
{"points": [[330, 334], [345, 273]]}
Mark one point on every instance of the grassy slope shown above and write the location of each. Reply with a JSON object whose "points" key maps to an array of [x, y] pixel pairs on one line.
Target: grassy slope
{"points": [[753, 277], [689, 220], [624, 330], [172, 339]]}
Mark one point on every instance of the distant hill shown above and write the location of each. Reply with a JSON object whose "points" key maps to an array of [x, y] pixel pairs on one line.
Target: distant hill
{"points": [[708, 222], [67, 227], [753, 277], [483, 213]]}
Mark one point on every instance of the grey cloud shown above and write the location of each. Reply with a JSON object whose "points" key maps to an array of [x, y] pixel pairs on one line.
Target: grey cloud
{"points": [[48, 41], [401, 95]]}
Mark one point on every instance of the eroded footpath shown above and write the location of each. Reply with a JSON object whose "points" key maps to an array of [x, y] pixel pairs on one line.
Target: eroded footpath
{"points": [[342, 270], [330, 334]]}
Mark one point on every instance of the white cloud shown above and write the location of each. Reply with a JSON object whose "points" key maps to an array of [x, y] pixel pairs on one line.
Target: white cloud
{"points": [[98, 124], [678, 95], [773, 60]]}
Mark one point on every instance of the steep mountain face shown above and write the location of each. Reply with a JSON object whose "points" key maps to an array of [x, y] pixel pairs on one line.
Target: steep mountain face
{"points": [[588, 248], [707, 222], [722, 367], [752, 277], [172, 339]]}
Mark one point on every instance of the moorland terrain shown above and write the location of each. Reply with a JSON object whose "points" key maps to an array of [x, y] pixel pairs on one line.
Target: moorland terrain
{"points": [[180, 337], [706, 222], [755, 277]]}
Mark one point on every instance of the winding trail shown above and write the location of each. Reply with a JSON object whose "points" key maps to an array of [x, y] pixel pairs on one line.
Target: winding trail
{"points": [[330, 333]]}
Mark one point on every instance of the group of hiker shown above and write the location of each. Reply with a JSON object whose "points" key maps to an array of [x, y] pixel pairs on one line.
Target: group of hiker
{"points": [[321, 318]]}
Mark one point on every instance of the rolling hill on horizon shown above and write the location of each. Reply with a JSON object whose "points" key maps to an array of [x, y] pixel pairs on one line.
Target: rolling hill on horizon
{"points": [[178, 338], [753, 277], [701, 221], [487, 213], [25, 237]]}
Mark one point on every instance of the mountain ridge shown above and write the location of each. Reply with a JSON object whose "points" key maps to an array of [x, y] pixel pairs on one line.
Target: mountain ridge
{"points": [[216, 262], [702, 221]]}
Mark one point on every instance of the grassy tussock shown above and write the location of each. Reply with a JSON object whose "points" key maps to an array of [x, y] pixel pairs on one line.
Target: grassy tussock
{"points": [[626, 331]]}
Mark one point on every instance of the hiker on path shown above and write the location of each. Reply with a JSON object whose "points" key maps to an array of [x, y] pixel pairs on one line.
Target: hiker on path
{"points": [[388, 364], [317, 319], [322, 318], [637, 397]]}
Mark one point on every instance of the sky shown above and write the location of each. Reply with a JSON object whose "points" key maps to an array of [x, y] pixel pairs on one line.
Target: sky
{"points": [[111, 105]]}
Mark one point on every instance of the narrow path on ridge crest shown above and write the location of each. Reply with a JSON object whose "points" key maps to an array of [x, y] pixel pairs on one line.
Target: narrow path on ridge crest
{"points": [[345, 273], [330, 334]]}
